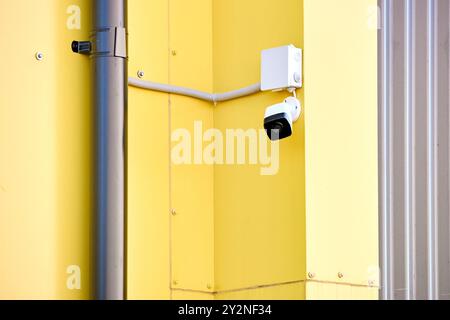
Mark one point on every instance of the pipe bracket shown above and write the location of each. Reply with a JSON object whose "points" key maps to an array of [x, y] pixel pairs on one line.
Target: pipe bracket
{"points": [[109, 42], [105, 42]]}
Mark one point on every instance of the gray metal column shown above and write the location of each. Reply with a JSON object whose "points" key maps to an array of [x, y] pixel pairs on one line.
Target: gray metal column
{"points": [[432, 215], [386, 218], [109, 58], [410, 249]]}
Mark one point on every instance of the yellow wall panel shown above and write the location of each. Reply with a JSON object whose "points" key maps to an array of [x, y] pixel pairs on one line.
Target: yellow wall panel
{"points": [[340, 63], [148, 259], [74, 197], [192, 195], [242, 29], [45, 151], [190, 30], [148, 39], [148, 221], [259, 220], [192, 185]]}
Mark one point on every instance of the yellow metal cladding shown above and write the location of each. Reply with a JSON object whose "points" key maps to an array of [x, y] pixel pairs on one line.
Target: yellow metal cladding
{"points": [[170, 207], [148, 219], [237, 234], [193, 231], [341, 144], [259, 220], [224, 242], [45, 151], [192, 186]]}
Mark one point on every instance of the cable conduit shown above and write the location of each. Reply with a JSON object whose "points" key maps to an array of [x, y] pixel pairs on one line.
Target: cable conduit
{"points": [[211, 97]]}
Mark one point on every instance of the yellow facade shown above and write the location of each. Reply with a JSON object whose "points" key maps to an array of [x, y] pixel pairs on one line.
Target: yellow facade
{"points": [[259, 220], [194, 231], [341, 142], [237, 234]]}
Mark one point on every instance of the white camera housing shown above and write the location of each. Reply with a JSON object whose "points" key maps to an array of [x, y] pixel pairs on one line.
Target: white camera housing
{"points": [[279, 118]]}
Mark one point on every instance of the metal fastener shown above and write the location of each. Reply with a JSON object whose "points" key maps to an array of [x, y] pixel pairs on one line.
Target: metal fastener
{"points": [[173, 212], [208, 286], [140, 74], [175, 282], [311, 275], [340, 275], [39, 56], [174, 52]]}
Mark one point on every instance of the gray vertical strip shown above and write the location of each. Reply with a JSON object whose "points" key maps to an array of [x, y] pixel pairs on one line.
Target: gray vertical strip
{"points": [[420, 148], [432, 243], [447, 48], [398, 148], [387, 258], [110, 98], [409, 109], [414, 86], [442, 143]]}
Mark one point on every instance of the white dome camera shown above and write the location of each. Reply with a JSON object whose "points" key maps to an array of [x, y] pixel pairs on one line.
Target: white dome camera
{"points": [[279, 118]]}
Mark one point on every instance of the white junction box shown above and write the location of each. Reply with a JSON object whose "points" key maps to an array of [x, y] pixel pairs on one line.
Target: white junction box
{"points": [[281, 68]]}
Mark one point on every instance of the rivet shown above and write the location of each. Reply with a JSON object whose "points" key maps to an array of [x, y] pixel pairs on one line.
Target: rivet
{"points": [[39, 56], [208, 286], [173, 212], [140, 74], [174, 53], [311, 275], [340, 275], [175, 282]]}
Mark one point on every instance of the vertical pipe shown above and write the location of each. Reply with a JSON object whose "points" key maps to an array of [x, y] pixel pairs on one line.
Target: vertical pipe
{"points": [[432, 230], [446, 244], [409, 120], [387, 221], [110, 98]]}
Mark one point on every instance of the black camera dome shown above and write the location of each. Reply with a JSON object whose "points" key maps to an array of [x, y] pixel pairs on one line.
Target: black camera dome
{"points": [[278, 126]]}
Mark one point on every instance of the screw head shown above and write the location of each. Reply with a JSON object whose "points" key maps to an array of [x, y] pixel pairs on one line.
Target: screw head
{"points": [[175, 282], [371, 283], [140, 74], [39, 56], [311, 275], [173, 212], [174, 53], [340, 275], [208, 286]]}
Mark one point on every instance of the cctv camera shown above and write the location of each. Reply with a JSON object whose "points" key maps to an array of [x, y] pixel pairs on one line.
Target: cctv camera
{"points": [[279, 118]]}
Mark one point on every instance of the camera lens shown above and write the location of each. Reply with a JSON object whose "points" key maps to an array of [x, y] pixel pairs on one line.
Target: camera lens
{"points": [[75, 46], [277, 126]]}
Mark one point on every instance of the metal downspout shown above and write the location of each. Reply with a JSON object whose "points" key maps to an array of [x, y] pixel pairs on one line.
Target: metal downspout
{"points": [[109, 62]]}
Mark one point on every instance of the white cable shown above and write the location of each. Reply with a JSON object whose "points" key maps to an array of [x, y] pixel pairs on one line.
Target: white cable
{"points": [[211, 97], [220, 97]]}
